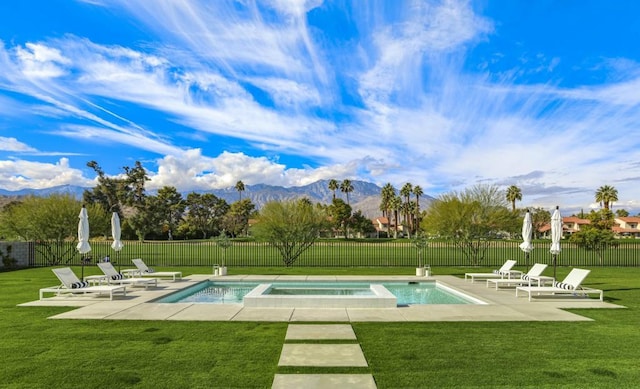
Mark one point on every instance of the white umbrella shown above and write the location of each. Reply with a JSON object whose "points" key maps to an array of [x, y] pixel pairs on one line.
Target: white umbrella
{"points": [[116, 232], [556, 236], [527, 228], [83, 246]]}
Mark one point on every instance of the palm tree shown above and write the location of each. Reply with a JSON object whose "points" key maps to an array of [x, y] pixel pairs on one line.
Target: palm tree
{"points": [[405, 191], [514, 193], [417, 190], [346, 187], [386, 194], [396, 204], [240, 188], [606, 195], [333, 185]]}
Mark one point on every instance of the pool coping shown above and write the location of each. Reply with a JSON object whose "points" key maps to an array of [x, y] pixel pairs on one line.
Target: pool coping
{"points": [[502, 305]]}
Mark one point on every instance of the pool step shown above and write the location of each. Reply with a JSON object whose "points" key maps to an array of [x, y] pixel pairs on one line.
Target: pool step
{"points": [[322, 355]]}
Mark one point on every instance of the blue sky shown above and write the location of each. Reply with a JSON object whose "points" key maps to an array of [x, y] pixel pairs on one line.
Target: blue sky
{"points": [[445, 94]]}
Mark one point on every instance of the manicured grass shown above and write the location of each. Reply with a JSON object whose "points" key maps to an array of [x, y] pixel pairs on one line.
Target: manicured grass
{"points": [[41, 353]]}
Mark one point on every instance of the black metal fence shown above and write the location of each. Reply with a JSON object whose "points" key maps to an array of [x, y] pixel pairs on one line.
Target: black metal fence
{"points": [[347, 253]]}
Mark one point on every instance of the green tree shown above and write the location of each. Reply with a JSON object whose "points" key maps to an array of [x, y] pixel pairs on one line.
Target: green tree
{"points": [[115, 193], [606, 195], [387, 193], [172, 206], [109, 192], [622, 212], [236, 221], [405, 192], [204, 214], [417, 191], [333, 186], [224, 243], [346, 187], [340, 213], [540, 217], [514, 194], [361, 224], [396, 205], [420, 241], [291, 227], [596, 236], [240, 188], [147, 217], [51, 221], [471, 219], [135, 184]]}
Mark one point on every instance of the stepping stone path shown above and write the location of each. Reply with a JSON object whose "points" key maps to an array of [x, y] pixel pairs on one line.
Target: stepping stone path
{"points": [[322, 355]]}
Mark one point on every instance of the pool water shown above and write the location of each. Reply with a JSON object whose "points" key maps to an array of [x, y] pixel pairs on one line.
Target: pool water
{"points": [[407, 293], [316, 291]]}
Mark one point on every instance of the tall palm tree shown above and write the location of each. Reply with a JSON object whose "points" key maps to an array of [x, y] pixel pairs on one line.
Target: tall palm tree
{"points": [[514, 194], [346, 187], [333, 185], [396, 204], [240, 188], [386, 194], [606, 195], [417, 190], [405, 191]]}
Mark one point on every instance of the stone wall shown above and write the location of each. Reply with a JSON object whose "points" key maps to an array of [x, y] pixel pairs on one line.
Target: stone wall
{"points": [[22, 252]]}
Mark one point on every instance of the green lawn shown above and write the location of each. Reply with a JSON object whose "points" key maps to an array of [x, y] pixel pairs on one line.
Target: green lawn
{"points": [[41, 353]]}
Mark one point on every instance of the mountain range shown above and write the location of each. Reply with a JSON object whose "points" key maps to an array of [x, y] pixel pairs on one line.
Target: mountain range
{"points": [[365, 196]]}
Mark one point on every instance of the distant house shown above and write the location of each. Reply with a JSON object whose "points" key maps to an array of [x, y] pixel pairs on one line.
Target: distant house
{"points": [[624, 226], [627, 226], [570, 225], [384, 226]]}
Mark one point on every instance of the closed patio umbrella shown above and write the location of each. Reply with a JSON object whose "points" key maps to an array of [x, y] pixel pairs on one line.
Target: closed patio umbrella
{"points": [[116, 233], [527, 229], [556, 236], [83, 246]]}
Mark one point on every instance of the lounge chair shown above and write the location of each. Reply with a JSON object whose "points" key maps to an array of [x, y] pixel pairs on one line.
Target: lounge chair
{"points": [[533, 275], [143, 270], [113, 277], [72, 284], [571, 285], [504, 271]]}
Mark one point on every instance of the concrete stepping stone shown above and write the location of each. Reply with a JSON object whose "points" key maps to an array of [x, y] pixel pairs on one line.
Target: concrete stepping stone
{"points": [[322, 381], [320, 332], [322, 355]]}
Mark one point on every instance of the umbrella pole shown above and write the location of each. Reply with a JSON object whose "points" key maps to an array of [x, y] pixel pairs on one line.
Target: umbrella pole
{"points": [[554, 265], [82, 263]]}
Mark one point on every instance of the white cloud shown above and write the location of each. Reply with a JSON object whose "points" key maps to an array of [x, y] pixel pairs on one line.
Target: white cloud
{"points": [[40, 61], [191, 170], [21, 174], [12, 144]]}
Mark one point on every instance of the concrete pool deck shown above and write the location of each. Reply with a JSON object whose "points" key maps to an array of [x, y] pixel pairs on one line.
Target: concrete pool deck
{"points": [[502, 305]]}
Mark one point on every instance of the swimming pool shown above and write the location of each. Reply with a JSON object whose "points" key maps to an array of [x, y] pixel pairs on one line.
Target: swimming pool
{"points": [[233, 292]]}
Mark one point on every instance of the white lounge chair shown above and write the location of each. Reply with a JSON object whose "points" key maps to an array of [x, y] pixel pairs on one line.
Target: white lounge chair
{"points": [[72, 284], [571, 285], [504, 271], [143, 270], [533, 275], [113, 277]]}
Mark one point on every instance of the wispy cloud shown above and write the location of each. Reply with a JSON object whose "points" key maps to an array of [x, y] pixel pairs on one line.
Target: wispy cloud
{"points": [[394, 98], [12, 144]]}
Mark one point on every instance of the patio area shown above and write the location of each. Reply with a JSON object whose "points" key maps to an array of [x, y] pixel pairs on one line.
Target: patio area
{"points": [[502, 305]]}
